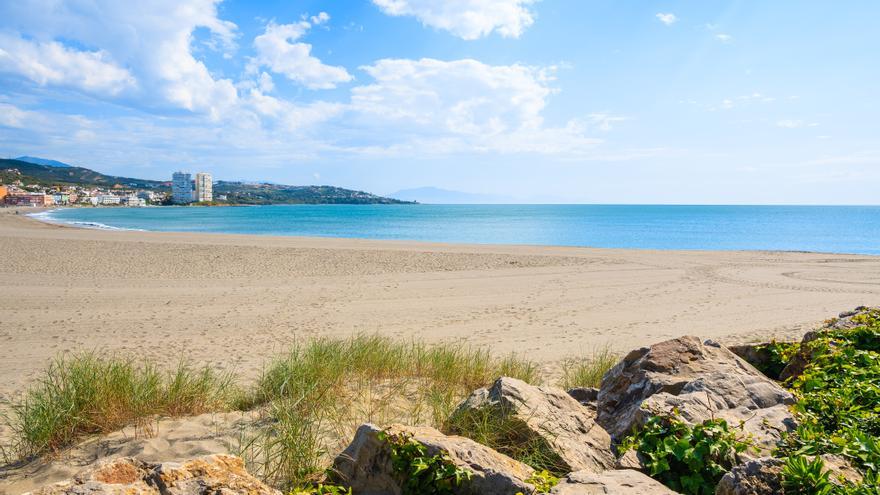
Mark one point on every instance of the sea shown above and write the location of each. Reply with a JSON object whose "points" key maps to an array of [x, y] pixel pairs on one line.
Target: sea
{"points": [[830, 229]]}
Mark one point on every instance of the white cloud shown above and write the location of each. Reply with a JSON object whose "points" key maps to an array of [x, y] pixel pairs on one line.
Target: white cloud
{"points": [[756, 97], [605, 121], [277, 50], [790, 124], [794, 124], [467, 19], [12, 116], [668, 18], [152, 40], [145, 58], [321, 18], [53, 63], [724, 38], [265, 83], [448, 106]]}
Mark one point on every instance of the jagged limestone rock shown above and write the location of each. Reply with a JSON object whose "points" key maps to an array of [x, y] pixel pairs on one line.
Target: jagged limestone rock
{"points": [[365, 465], [618, 482], [764, 476], [700, 380], [566, 428], [208, 475]]}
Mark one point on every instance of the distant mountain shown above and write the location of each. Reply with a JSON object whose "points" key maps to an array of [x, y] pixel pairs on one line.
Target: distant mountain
{"points": [[43, 161], [266, 193], [435, 195], [32, 173]]}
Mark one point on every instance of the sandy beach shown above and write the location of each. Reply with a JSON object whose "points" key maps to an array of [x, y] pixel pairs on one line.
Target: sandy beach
{"points": [[234, 301]]}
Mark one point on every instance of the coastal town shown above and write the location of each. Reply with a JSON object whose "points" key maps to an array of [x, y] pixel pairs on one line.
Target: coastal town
{"points": [[184, 189]]}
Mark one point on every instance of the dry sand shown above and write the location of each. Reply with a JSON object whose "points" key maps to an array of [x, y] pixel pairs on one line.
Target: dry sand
{"points": [[235, 301]]}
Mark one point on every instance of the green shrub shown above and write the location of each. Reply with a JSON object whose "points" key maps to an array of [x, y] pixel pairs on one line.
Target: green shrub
{"points": [[802, 476], [587, 371], [86, 394], [419, 473], [543, 481], [687, 459], [838, 403], [778, 356], [840, 388]]}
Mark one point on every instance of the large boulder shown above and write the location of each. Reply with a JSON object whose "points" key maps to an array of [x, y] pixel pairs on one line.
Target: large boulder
{"points": [[764, 476], [565, 429], [365, 465], [208, 475], [699, 380], [620, 482]]}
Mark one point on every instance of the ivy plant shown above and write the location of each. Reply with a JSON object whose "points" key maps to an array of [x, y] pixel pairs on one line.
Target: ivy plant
{"points": [[688, 459], [418, 472]]}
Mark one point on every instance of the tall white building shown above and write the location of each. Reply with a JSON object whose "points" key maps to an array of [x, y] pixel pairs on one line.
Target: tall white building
{"points": [[204, 187], [181, 188]]}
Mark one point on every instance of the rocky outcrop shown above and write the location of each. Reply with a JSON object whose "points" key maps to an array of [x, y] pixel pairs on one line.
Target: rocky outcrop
{"points": [[208, 475], [621, 482], [700, 380], [764, 476], [365, 465], [551, 416]]}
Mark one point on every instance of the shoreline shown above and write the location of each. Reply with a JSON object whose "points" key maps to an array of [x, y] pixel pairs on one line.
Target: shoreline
{"points": [[413, 243]]}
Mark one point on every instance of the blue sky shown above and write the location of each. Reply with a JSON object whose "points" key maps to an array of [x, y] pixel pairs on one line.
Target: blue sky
{"points": [[596, 101]]}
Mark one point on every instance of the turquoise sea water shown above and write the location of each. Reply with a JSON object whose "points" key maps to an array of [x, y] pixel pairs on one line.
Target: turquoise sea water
{"points": [[837, 229]]}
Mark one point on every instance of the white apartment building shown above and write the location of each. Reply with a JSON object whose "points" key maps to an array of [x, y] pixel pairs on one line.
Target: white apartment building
{"points": [[181, 188], [204, 190]]}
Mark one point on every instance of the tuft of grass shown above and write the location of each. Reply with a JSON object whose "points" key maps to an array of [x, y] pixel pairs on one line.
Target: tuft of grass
{"points": [[311, 399], [588, 371], [496, 428], [320, 391], [86, 394]]}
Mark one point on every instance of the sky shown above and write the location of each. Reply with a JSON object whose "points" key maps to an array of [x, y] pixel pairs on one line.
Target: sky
{"points": [[535, 101]]}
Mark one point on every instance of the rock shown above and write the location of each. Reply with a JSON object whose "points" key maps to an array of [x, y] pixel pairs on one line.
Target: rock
{"points": [[851, 319], [756, 477], [208, 475], [584, 395], [842, 471], [365, 465], [621, 482], [549, 415], [764, 476], [701, 380], [630, 459]]}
